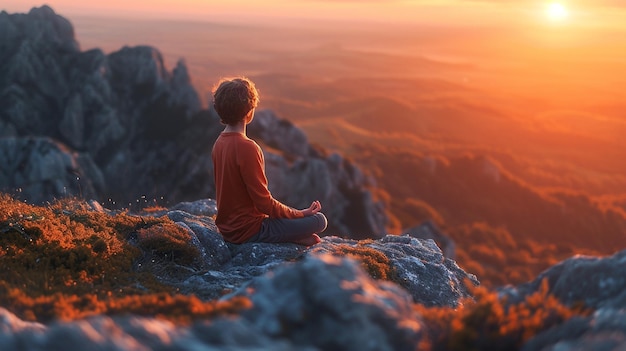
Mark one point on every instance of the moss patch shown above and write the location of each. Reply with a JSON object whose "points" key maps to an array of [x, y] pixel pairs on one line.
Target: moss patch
{"points": [[65, 261], [168, 241], [374, 262]]}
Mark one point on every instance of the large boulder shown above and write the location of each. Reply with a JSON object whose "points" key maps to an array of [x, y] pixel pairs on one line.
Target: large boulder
{"points": [[330, 303]]}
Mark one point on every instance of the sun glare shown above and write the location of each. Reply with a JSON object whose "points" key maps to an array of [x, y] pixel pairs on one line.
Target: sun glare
{"points": [[556, 11]]}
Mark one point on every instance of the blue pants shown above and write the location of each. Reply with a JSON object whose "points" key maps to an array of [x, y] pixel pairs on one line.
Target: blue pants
{"points": [[282, 230]]}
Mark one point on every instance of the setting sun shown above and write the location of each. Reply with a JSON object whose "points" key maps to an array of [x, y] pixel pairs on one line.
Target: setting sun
{"points": [[556, 11]]}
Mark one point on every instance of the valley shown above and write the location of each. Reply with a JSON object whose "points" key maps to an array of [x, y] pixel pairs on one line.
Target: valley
{"points": [[515, 153]]}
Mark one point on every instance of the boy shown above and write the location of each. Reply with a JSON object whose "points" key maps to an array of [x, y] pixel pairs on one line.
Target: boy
{"points": [[246, 210]]}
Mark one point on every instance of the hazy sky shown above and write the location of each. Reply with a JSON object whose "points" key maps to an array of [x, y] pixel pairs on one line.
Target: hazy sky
{"points": [[356, 9], [419, 11]]}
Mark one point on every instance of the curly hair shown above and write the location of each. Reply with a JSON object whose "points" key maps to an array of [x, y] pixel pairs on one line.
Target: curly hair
{"points": [[234, 98]]}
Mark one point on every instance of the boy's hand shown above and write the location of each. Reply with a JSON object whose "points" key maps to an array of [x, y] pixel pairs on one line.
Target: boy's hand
{"points": [[315, 207]]}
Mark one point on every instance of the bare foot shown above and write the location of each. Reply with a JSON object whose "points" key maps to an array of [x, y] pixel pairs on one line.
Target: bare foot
{"points": [[309, 241]]}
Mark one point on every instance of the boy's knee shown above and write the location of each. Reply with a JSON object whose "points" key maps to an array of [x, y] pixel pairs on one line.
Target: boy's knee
{"points": [[323, 222]]}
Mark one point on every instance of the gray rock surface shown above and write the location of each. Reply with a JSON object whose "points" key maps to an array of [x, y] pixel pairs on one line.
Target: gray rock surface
{"points": [[420, 268], [9, 323], [428, 230], [605, 330], [202, 207], [46, 169], [141, 132], [597, 283], [279, 134], [117, 109], [419, 265], [330, 303]]}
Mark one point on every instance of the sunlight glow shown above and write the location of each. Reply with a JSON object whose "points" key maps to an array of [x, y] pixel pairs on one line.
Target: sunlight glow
{"points": [[556, 11]]}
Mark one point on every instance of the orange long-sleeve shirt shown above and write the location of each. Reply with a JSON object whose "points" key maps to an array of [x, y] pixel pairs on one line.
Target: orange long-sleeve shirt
{"points": [[243, 199]]}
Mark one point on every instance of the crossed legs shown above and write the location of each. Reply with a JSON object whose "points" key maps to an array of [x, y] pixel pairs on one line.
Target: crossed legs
{"points": [[302, 231]]}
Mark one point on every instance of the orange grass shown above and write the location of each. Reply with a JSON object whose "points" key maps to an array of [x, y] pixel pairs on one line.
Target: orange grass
{"points": [[64, 261], [177, 308], [490, 323], [374, 262]]}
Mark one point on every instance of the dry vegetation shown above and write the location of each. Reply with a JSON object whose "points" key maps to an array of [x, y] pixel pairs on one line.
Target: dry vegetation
{"points": [[65, 261], [374, 262], [490, 323]]}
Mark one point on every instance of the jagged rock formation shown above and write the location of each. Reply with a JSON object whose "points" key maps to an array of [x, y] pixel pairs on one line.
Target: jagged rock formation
{"points": [[134, 130], [118, 111]]}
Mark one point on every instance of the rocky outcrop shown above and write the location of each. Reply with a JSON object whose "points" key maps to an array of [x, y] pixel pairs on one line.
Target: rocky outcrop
{"points": [[418, 265], [604, 330], [301, 298], [116, 109], [595, 283], [280, 134], [139, 132]]}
